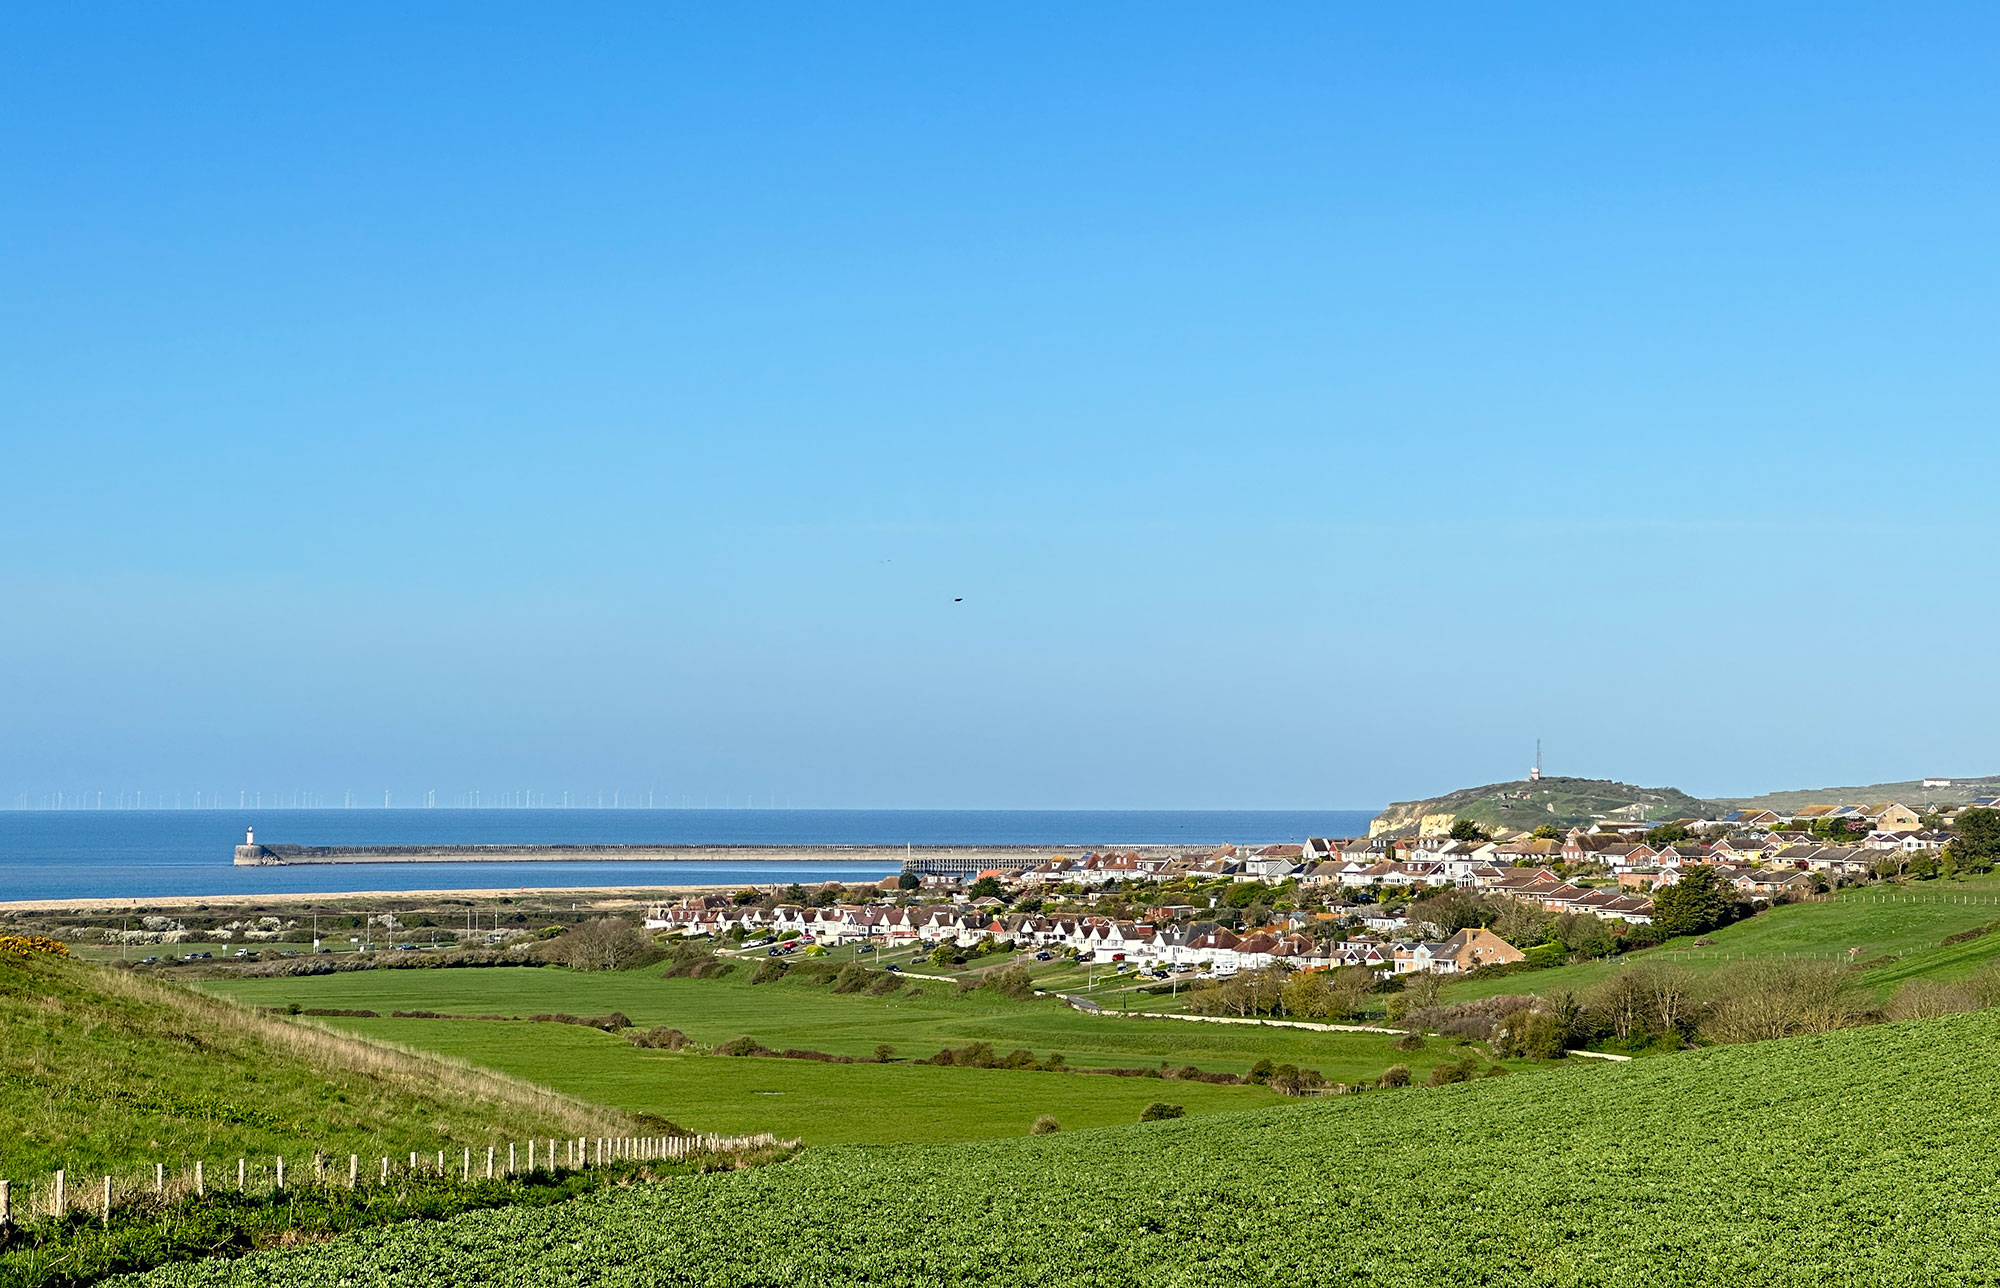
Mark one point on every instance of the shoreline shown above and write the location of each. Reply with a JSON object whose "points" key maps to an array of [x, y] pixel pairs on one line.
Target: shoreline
{"points": [[136, 903]]}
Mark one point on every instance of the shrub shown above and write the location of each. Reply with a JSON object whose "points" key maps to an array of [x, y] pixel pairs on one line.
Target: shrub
{"points": [[659, 1038], [32, 946], [1013, 981], [769, 970], [1396, 1075], [1410, 1042], [1160, 1111], [1044, 1125], [744, 1046], [853, 978], [884, 1053], [1926, 999]]}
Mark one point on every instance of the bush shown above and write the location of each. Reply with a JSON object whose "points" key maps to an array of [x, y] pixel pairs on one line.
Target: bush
{"points": [[884, 1053], [769, 970], [1396, 1075], [1044, 1125], [744, 1046], [1926, 999], [1410, 1042], [1012, 981], [1160, 1111], [659, 1038], [852, 978]]}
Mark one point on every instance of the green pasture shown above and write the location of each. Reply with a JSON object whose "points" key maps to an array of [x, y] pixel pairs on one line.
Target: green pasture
{"points": [[1907, 922], [820, 1102], [1855, 1158]]}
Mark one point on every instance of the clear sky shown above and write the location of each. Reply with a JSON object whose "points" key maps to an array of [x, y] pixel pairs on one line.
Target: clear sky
{"points": [[1025, 405]]}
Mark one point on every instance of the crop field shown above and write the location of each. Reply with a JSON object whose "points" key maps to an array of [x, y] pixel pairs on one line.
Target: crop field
{"points": [[1906, 922], [1856, 1158], [821, 1103]]}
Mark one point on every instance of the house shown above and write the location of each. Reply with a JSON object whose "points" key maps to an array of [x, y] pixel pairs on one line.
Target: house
{"points": [[1472, 948], [1888, 816]]}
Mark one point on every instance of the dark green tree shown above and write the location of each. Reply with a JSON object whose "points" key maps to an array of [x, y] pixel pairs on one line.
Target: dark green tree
{"points": [[1694, 904], [908, 881], [1975, 840], [1668, 834], [1547, 832], [1464, 829], [985, 888]]}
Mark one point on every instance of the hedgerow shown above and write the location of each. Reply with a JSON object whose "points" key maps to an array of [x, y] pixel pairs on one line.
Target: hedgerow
{"points": [[1850, 1158]]}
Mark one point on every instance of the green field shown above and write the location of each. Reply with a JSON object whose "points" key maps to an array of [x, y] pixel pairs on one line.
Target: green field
{"points": [[101, 1070], [822, 1103], [1906, 922], [1857, 1158]]}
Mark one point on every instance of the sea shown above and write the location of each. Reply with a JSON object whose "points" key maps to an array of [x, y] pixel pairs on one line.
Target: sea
{"points": [[64, 854]]}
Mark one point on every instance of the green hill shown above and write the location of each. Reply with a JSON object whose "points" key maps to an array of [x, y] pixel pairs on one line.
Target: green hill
{"points": [[103, 1070], [1913, 793], [1858, 1157], [1527, 804]]}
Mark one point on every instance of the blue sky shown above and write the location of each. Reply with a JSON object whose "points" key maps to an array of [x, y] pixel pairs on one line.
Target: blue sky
{"points": [[1311, 405]]}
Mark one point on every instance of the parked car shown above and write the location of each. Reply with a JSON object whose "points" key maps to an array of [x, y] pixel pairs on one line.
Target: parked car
{"points": [[894, 966]]}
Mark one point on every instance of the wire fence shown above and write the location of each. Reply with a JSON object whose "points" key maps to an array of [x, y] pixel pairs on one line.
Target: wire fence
{"points": [[68, 1194]]}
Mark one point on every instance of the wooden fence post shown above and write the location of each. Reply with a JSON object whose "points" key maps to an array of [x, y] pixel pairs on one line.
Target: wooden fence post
{"points": [[510, 1158], [6, 1203], [353, 1169], [552, 1153], [385, 1170], [241, 1183], [440, 1164], [531, 1154], [200, 1188], [489, 1162], [159, 1178], [468, 1164], [281, 1172], [59, 1203], [107, 1203]]}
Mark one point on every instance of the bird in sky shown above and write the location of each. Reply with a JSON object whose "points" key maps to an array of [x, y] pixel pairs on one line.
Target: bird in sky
{"points": [[959, 600]]}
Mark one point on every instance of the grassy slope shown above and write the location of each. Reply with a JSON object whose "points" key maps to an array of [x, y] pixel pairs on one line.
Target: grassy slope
{"points": [[1562, 801], [822, 1103], [1906, 922], [1912, 793], [1859, 1157], [102, 1070]]}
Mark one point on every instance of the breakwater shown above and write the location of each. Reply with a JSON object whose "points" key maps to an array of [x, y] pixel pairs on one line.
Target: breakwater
{"points": [[927, 858]]}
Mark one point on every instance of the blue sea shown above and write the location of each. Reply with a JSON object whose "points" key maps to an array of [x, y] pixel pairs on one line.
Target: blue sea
{"points": [[61, 854]]}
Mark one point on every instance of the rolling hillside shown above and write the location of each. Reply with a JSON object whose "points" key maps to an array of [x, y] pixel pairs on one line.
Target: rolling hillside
{"points": [[1913, 794], [101, 1070], [1859, 1157], [1525, 805]]}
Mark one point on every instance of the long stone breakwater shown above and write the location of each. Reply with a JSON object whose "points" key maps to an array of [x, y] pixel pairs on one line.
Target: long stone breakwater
{"points": [[942, 859]]}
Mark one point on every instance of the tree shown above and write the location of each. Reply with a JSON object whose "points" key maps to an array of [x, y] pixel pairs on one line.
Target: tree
{"points": [[1547, 832], [908, 881], [1464, 829], [604, 944], [1975, 840], [1697, 902], [985, 888], [1667, 834]]}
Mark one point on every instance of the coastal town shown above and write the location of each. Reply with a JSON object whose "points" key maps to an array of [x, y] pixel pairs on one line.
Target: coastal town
{"points": [[1341, 902]]}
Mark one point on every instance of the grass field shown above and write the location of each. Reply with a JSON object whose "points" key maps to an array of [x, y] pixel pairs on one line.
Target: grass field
{"points": [[1906, 922], [1857, 1158], [820, 1102], [102, 1069]]}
